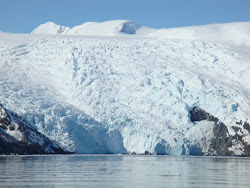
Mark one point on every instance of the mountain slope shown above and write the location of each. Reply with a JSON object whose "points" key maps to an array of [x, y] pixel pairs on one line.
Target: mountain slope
{"points": [[19, 137], [125, 94], [229, 33]]}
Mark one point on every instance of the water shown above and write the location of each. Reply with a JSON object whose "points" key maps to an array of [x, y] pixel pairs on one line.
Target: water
{"points": [[123, 171]]}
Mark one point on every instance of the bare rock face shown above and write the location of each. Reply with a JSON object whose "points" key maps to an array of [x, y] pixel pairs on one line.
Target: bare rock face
{"points": [[197, 114], [224, 144], [17, 136]]}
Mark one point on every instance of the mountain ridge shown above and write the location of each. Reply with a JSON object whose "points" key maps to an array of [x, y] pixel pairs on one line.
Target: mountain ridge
{"points": [[236, 33]]}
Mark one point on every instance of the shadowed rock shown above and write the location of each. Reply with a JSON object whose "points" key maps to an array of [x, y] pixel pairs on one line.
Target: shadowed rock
{"points": [[222, 141], [17, 136]]}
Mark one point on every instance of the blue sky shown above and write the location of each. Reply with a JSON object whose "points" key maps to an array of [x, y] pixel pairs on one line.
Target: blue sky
{"points": [[22, 16]]}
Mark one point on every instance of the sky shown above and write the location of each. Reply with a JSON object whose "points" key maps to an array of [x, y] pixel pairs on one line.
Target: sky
{"points": [[23, 16]]}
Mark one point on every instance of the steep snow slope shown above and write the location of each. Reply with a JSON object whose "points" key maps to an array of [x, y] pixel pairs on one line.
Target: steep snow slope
{"points": [[125, 94]]}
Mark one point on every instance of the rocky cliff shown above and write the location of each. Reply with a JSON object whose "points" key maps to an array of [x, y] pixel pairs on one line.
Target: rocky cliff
{"points": [[17, 136], [223, 143]]}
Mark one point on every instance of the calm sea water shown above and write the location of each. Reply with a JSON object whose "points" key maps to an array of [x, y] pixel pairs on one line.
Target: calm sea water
{"points": [[123, 171]]}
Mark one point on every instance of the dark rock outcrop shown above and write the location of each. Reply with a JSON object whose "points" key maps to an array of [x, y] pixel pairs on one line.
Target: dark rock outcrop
{"points": [[17, 136], [197, 114], [222, 142], [247, 126]]}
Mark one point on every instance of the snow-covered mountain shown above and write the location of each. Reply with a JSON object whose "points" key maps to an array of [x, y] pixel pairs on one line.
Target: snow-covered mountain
{"points": [[51, 28], [230, 33], [109, 28], [19, 137], [131, 89]]}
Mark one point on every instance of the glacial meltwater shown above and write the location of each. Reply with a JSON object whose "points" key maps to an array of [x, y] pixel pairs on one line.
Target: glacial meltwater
{"points": [[123, 171]]}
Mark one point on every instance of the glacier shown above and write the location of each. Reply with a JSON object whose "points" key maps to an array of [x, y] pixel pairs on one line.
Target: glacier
{"points": [[119, 87]]}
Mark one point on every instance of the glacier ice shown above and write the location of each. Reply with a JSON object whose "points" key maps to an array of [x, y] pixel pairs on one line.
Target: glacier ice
{"points": [[123, 94]]}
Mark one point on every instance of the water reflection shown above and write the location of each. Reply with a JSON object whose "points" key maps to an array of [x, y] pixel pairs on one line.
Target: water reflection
{"points": [[123, 171]]}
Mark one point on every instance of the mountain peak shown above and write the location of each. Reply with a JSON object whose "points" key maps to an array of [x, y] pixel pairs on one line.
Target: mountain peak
{"points": [[50, 28], [109, 28]]}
